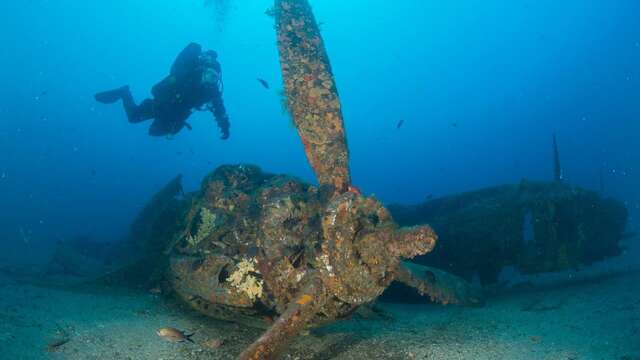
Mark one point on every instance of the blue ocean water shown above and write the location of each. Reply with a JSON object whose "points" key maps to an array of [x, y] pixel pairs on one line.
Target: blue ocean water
{"points": [[479, 88]]}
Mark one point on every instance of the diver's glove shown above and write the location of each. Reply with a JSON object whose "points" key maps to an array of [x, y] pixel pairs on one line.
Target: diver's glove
{"points": [[222, 119], [224, 128], [223, 124]]}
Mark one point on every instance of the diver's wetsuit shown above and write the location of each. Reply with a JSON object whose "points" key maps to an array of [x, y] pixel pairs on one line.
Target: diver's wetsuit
{"points": [[194, 83]]}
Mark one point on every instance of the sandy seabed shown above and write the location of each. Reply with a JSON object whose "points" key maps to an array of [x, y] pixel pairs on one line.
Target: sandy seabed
{"points": [[593, 319]]}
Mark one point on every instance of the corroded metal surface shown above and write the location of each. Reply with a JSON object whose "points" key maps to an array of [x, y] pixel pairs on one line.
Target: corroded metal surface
{"points": [[202, 277], [257, 247], [533, 227], [299, 312], [311, 92], [438, 285], [362, 248], [283, 248]]}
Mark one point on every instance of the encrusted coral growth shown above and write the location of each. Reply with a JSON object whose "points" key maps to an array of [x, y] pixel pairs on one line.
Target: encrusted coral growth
{"points": [[244, 279], [311, 92], [206, 226]]}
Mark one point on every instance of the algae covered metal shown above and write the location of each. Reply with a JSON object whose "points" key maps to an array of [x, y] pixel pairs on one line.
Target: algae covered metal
{"points": [[272, 247], [311, 92], [534, 227], [261, 246]]}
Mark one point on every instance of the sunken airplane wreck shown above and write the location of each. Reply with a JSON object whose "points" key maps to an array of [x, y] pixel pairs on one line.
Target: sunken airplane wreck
{"points": [[534, 227], [250, 246]]}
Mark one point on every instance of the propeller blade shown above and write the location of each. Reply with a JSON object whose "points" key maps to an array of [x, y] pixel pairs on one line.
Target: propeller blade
{"points": [[311, 93], [297, 315], [440, 286]]}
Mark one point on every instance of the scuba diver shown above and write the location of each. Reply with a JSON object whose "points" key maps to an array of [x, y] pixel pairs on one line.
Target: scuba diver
{"points": [[194, 83]]}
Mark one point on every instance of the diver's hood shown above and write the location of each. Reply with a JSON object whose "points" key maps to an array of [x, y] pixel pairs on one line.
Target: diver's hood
{"points": [[208, 58]]}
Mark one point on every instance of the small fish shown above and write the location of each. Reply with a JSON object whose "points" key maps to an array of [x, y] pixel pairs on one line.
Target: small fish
{"points": [[264, 83], [55, 344], [454, 124], [174, 335], [400, 123]]}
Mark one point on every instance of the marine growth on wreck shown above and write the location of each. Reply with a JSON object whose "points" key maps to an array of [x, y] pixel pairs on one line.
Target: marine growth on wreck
{"points": [[534, 227], [275, 256], [276, 236]]}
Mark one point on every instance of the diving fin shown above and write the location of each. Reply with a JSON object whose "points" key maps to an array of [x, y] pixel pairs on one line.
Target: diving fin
{"points": [[111, 96]]}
